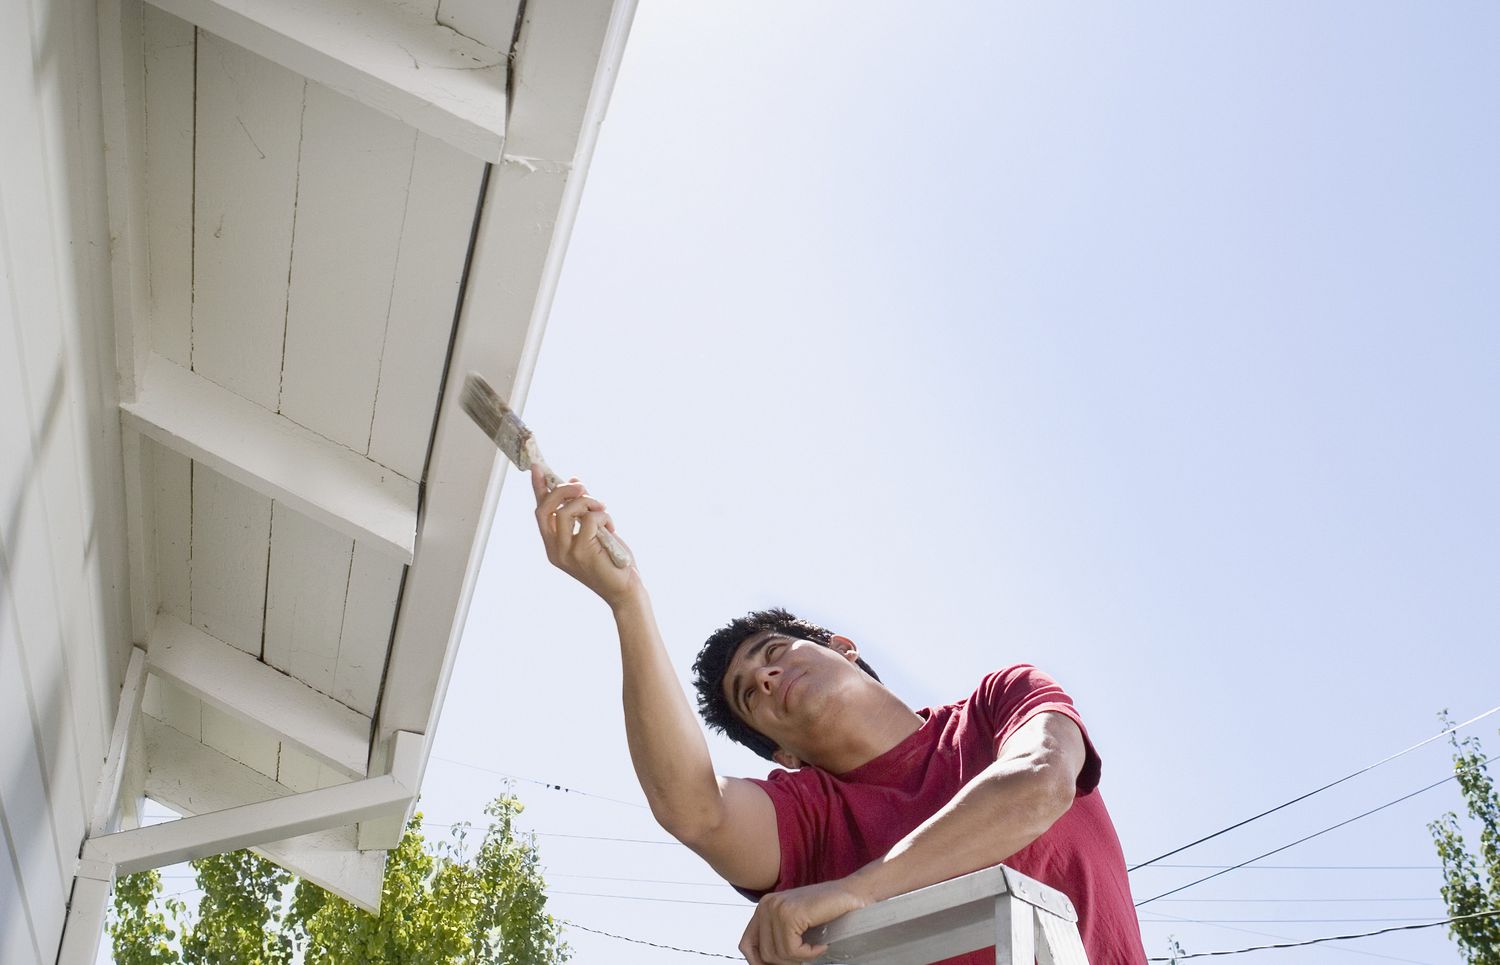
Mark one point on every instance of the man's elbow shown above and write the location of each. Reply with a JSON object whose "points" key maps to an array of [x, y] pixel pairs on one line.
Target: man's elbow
{"points": [[690, 826], [1051, 792]]}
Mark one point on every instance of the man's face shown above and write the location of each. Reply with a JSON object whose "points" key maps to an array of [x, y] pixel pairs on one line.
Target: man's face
{"points": [[787, 688]]}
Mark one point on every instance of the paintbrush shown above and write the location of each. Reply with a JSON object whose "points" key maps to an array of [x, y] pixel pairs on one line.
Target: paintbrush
{"points": [[517, 442]]}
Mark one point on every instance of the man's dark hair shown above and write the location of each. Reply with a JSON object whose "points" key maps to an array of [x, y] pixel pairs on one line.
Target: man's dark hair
{"points": [[713, 663]]}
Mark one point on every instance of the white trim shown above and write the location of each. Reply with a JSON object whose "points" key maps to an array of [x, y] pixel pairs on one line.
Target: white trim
{"points": [[249, 824], [112, 777], [249, 690], [513, 273], [386, 55], [275, 457]]}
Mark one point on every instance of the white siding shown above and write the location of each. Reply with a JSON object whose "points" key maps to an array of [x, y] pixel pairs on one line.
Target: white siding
{"points": [[63, 612]]}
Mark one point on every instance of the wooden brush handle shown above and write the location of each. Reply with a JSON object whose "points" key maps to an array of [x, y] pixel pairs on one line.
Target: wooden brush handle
{"points": [[618, 554]]}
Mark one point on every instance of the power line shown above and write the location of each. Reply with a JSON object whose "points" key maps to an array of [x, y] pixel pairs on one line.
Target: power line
{"points": [[642, 941], [550, 785], [1345, 949], [1290, 901], [1317, 867], [1303, 797], [1300, 840], [741, 905], [1328, 938]]}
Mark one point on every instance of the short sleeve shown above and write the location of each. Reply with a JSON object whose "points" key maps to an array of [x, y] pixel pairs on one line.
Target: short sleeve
{"points": [[802, 805], [1007, 699]]}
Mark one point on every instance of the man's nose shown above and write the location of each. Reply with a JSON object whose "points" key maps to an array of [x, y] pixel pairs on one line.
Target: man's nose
{"points": [[765, 677]]}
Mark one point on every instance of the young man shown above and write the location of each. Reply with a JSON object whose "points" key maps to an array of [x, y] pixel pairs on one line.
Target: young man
{"points": [[878, 799]]}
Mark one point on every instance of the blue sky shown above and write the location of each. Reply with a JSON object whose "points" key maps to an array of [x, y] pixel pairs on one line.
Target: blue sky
{"points": [[1152, 344]]}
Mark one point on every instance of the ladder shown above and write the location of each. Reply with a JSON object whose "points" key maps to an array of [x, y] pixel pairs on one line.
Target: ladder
{"points": [[1024, 919]]}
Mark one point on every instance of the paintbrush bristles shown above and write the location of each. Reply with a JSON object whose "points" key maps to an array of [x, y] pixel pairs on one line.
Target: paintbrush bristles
{"points": [[492, 415]]}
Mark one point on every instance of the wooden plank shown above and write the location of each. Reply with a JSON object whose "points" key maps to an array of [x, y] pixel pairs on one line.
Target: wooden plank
{"points": [[305, 598], [170, 86], [558, 71], [300, 772], [250, 691], [112, 779], [355, 167], [369, 614], [442, 203], [24, 794], [248, 130], [251, 746], [491, 22], [173, 706], [190, 778], [172, 517], [276, 458], [231, 539], [17, 944], [393, 57], [122, 76]]}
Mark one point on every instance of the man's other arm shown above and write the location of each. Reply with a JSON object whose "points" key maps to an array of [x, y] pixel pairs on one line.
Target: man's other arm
{"points": [[730, 822], [1003, 809]]}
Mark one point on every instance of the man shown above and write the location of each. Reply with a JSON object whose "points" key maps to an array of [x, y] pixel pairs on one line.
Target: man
{"points": [[878, 799]]}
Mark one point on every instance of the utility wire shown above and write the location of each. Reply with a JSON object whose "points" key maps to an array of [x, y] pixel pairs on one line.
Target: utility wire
{"points": [[1300, 840], [642, 941], [551, 786], [1327, 938], [1344, 949], [742, 905], [1303, 797]]}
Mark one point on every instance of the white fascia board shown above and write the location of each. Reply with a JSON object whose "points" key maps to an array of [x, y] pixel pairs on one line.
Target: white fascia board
{"points": [[191, 778], [390, 56], [260, 695], [525, 221], [275, 457]]}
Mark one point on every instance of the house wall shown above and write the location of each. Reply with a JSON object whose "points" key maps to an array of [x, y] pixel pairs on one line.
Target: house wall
{"points": [[64, 629]]}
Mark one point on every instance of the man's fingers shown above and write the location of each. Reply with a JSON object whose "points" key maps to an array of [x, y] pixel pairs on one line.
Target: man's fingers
{"points": [[589, 525], [549, 502], [538, 483]]}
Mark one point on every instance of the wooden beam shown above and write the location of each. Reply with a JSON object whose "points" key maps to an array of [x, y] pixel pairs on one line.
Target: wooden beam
{"points": [[112, 777], [276, 457], [191, 778], [389, 56], [525, 221], [260, 695]]}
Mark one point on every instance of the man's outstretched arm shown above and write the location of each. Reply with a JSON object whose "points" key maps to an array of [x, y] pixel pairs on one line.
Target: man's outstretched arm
{"points": [[731, 823], [1002, 810]]}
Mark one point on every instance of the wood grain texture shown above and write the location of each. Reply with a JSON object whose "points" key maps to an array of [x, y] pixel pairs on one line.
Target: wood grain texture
{"points": [[248, 122], [231, 540], [442, 203], [369, 614], [170, 52], [352, 197], [305, 598]]}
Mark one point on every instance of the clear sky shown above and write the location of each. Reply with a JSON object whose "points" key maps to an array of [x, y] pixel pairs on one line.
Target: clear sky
{"points": [[1154, 344]]}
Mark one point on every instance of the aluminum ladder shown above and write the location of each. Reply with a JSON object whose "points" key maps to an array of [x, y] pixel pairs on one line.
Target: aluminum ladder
{"points": [[1024, 919]]}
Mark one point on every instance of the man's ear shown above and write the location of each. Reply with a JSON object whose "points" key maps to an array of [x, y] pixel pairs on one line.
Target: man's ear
{"points": [[786, 759], [844, 646]]}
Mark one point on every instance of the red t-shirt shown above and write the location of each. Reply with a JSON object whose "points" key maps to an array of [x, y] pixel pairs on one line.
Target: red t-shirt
{"points": [[832, 825]]}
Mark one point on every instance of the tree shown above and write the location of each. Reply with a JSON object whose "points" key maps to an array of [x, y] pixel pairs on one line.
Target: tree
{"points": [[1471, 884], [439, 904]]}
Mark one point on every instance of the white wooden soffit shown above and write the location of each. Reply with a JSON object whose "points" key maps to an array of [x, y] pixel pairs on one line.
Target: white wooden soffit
{"points": [[567, 57], [391, 56], [252, 691], [275, 457], [190, 777]]}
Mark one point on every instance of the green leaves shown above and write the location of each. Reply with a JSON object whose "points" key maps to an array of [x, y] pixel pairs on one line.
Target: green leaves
{"points": [[1471, 884], [440, 905]]}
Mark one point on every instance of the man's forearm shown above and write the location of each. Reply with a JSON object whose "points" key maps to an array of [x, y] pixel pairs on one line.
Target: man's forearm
{"points": [[666, 743], [1001, 811]]}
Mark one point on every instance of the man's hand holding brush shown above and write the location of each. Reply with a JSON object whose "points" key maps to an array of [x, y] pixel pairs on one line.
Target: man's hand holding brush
{"points": [[570, 520]]}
